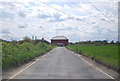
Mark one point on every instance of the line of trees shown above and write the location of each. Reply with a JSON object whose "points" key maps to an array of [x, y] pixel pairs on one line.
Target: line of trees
{"points": [[28, 39], [98, 42]]}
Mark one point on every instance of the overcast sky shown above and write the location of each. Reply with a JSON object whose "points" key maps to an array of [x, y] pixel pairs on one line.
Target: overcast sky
{"points": [[78, 20]]}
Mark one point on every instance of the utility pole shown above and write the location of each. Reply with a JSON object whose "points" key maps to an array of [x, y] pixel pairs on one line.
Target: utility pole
{"points": [[32, 37], [35, 37]]}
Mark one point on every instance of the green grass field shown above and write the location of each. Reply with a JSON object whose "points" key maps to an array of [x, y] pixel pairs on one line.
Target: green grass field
{"points": [[107, 54], [15, 54]]}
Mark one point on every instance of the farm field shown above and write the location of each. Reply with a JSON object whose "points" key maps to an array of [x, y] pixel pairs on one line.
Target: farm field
{"points": [[107, 54], [16, 54]]}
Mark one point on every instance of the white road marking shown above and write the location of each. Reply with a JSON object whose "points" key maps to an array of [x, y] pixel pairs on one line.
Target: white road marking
{"points": [[94, 66], [25, 68], [45, 55], [98, 69], [79, 55]]}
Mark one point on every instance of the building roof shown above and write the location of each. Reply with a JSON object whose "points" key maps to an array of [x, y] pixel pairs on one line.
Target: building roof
{"points": [[59, 38]]}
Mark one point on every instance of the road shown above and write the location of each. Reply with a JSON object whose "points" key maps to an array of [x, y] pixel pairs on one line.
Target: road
{"points": [[60, 63]]}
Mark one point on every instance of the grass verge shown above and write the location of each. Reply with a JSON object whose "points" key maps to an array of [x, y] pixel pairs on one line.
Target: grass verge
{"points": [[106, 54]]}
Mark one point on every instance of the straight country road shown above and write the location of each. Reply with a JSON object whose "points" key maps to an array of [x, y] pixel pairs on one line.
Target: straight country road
{"points": [[60, 63]]}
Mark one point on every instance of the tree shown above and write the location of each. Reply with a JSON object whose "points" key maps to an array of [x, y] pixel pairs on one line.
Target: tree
{"points": [[105, 42], [1, 40], [45, 41], [26, 39], [112, 42], [117, 42], [71, 43]]}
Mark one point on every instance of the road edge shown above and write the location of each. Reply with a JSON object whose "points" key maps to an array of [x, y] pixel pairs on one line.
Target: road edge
{"points": [[100, 67]]}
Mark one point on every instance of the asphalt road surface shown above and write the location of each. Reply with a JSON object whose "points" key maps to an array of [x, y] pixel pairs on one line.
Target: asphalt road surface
{"points": [[61, 63]]}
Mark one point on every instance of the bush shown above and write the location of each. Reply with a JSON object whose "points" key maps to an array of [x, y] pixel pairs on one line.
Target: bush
{"points": [[15, 54]]}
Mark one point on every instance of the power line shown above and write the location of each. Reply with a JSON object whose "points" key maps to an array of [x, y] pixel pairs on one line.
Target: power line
{"points": [[99, 10], [54, 8], [64, 12], [85, 9], [78, 17]]}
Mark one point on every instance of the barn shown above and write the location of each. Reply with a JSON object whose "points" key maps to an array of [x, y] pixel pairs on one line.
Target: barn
{"points": [[59, 40]]}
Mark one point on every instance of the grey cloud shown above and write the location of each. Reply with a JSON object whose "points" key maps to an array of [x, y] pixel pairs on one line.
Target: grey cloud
{"points": [[104, 19], [22, 25], [62, 29], [112, 35], [78, 19], [9, 5], [43, 15], [5, 31], [41, 27], [68, 28], [93, 22], [59, 29], [98, 29], [76, 28], [22, 13], [55, 20], [10, 37], [6, 37], [111, 31], [100, 34], [7, 15], [74, 37], [56, 17]]}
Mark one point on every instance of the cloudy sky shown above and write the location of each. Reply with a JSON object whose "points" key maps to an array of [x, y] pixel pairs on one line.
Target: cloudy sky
{"points": [[78, 20]]}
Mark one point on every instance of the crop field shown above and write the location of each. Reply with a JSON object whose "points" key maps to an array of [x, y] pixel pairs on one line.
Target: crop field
{"points": [[15, 54], [107, 54]]}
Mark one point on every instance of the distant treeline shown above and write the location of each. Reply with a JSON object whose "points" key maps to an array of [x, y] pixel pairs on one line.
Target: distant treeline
{"points": [[27, 39], [98, 42]]}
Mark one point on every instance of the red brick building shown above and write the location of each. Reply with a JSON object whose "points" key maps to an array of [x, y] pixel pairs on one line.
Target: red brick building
{"points": [[59, 40]]}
